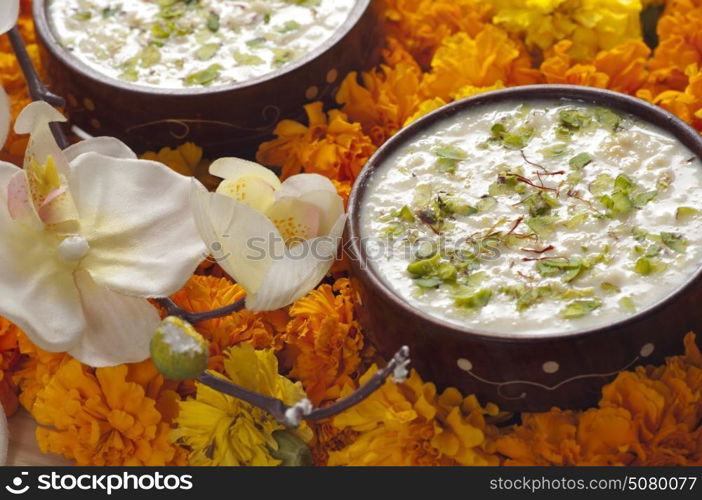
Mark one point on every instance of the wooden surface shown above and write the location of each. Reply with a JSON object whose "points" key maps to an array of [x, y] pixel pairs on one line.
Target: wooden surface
{"points": [[23, 449]]}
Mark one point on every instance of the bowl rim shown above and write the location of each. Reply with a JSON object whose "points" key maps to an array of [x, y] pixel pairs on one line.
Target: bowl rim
{"points": [[46, 34], [567, 93]]}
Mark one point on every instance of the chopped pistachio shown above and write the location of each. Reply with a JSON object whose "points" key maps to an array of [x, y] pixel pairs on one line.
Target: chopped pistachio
{"points": [[580, 308], [580, 160], [150, 56], [213, 22], [608, 118], [641, 199], [639, 234], [256, 43], [543, 225], [627, 304], [289, 26], [426, 250], [644, 266], [676, 242], [555, 151], [248, 59], [610, 287], [685, 213], [204, 77], [424, 267], [446, 271], [406, 214], [601, 184], [575, 221], [207, 51], [428, 282], [474, 301], [486, 204]]}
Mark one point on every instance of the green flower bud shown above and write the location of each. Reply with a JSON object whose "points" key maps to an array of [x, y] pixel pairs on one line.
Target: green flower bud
{"points": [[178, 350], [292, 450]]}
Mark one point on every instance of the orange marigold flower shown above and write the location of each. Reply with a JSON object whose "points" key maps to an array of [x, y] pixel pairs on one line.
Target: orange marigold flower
{"points": [[106, 417], [36, 370], [421, 25], [323, 341], [622, 68], [330, 145], [386, 99], [646, 417], [8, 360], [411, 424], [686, 104], [482, 61], [343, 188], [328, 439], [261, 329]]}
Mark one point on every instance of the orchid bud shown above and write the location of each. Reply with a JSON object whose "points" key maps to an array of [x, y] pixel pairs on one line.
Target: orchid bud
{"points": [[178, 350], [292, 450]]}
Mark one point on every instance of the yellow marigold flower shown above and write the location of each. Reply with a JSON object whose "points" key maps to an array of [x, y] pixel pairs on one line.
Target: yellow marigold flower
{"points": [[622, 68], [386, 99], [592, 25], [482, 61], [330, 145], [261, 329], [411, 424], [323, 341], [328, 439], [225, 431], [646, 417], [421, 25], [424, 108], [187, 160], [106, 417]]}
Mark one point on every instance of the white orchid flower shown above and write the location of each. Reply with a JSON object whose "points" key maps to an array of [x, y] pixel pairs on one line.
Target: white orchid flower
{"points": [[276, 240], [9, 11], [86, 236]]}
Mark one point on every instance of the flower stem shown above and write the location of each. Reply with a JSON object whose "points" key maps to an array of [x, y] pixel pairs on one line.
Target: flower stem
{"points": [[198, 317], [290, 416]]}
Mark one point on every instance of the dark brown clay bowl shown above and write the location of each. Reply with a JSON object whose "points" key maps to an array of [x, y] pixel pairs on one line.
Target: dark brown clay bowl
{"points": [[522, 371], [224, 120]]}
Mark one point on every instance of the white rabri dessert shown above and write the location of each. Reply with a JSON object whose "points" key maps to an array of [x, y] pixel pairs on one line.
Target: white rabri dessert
{"points": [[185, 43], [548, 217]]}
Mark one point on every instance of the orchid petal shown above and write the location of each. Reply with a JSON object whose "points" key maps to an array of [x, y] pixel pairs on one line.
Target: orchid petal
{"points": [[296, 220], [9, 12], [136, 217], [108, 146], [232, 168], [37, 291], [119, 327], [19, 201], [316, 190], [292, 277], [5, 116], [3, 436], [34, 119], [244, 241], [247, 182], [58, 208]]}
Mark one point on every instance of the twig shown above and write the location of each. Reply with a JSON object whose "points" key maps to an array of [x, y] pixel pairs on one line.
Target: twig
{"points": [[37, 90], [291, 416], [198, 317]]}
